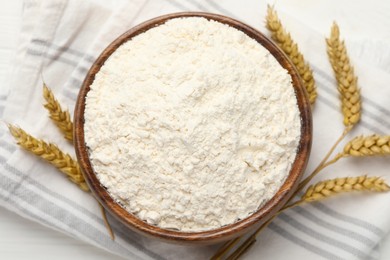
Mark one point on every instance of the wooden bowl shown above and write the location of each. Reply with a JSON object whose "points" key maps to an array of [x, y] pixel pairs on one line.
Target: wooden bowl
{"points": [[226, 232]]}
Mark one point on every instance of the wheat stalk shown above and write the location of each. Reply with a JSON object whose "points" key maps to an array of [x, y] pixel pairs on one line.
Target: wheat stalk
{"points": [[360, 146], [50, 153], [345, 76], [286, 43], [60, 117], [316, 192], [327, 188]]}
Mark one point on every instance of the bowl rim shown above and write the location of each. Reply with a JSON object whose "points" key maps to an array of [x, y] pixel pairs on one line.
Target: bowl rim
{"points": [[226, 232]]}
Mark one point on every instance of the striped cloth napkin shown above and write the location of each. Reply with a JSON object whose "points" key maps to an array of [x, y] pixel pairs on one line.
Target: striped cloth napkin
{"points": [[61, 38]]}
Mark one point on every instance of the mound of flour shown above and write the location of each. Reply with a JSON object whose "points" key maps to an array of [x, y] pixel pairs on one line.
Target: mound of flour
{"points": [[192, 125]]}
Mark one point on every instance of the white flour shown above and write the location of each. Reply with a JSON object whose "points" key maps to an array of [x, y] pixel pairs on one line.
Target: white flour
{"points": [[192, 125]]}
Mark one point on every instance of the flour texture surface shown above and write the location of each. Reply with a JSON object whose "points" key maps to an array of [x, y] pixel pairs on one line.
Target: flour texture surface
{"points": [[192, 125]]}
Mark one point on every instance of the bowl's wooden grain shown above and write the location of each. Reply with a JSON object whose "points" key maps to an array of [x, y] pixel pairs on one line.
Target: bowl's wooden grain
{"points": [[220, 234]]}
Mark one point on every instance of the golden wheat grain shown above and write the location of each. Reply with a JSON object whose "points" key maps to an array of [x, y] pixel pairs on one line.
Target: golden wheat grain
{"points": [[327, 188], [50, 153], [60, 117], [345, 76], [368, 146], [286, 43]]}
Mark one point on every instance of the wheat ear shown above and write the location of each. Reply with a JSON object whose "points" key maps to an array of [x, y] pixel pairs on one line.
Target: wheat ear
{"points": [[285, 42], [368, 146], [64, 123], [62, 161], [327, 188], [361, 146], [50, 153], [60, 117], [345, 76], [316, 192], [349, 96]]}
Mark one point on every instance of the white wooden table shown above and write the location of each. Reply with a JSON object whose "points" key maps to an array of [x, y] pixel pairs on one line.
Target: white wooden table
{"points": [[23, 239]]}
